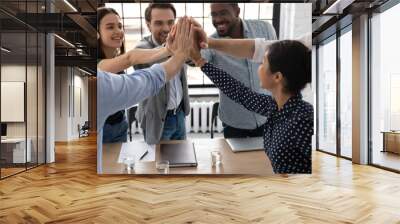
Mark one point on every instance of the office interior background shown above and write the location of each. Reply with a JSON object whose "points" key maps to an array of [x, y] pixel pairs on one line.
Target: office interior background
{"points": [[357, 82], [48, 84], [69, 57], [48, 87]]}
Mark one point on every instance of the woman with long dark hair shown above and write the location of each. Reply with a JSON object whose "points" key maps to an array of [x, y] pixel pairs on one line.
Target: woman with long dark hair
{"points": [[113, 58], [285, 71], [118, 92]]}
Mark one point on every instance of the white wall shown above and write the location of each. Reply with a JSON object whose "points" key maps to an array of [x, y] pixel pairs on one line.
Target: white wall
{"points": [[33, 126], [61, 104], [69, 85], [15, 73]]}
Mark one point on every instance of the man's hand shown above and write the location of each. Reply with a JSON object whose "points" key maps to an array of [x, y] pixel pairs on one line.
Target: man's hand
{"points": [[194, 53], [179, 39], [201, 35], [170, 40]]}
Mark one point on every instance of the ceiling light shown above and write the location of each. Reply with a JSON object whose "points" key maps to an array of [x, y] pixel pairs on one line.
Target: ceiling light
{"points": [[86, 72], [71, 6], [65, 41], [337, 7], [5, 50]]}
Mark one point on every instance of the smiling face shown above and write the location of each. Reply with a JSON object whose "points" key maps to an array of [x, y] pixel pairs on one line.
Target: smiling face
{"points": [[224, 18], [160, 24], [111, 32]]}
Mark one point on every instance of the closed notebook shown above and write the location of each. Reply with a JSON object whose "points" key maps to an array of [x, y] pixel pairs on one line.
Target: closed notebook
{"points": [[179, 155]]}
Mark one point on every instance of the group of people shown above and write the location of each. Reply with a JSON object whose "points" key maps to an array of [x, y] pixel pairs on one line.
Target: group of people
{"points": [[260, 80]]}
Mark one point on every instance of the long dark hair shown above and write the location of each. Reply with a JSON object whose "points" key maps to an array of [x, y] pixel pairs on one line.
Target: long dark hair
{"points": [[293, 59], [101, 12]]}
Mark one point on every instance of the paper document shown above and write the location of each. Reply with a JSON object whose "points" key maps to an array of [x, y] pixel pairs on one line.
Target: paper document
{"points": [[137, 149]]}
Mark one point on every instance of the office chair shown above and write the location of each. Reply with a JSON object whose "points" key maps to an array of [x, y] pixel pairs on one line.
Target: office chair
{"points": [[214, 115], [84, 130], [131, 119]]}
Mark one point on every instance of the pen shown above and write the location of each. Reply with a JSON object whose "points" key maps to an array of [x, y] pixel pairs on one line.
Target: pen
{"points": [[144, 155]]}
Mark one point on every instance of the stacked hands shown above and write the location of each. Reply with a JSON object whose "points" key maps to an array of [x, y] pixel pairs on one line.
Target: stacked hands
{"points": [[186, 39]]}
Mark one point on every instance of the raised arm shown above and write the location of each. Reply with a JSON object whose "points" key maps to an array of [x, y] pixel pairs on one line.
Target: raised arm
{"points": [[260, 103], [179, 43], [133, 57], [116, 92], [240, 48]]}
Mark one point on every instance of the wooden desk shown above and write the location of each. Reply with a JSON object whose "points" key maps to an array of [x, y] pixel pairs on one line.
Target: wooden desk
{"points": [[391, 141], [255, 162]]}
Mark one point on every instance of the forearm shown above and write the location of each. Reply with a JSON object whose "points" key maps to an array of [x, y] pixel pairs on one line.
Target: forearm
{"points": [[173, 65], [116, 92], [145, 56], [132, 57], [238, 92], [241, 48]]}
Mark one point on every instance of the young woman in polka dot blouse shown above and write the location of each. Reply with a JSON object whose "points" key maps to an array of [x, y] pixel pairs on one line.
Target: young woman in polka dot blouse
{"points": [[285, 71]]}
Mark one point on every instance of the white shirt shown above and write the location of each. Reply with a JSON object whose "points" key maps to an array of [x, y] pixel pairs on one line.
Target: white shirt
{"points": [[261, 45], [175, 89]]}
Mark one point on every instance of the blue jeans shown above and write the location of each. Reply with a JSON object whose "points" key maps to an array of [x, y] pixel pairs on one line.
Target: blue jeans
{"points": [[174, 127], [115, 133]]}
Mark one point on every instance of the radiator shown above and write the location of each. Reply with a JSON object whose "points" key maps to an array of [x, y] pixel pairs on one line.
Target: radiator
{"points": [[198, 121]]}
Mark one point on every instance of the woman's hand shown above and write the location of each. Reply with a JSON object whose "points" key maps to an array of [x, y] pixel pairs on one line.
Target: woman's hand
{"points": [[179, 39], [199, 39]]}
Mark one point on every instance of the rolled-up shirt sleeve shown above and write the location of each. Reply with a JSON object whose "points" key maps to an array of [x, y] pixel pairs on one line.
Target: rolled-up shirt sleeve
{"points": [[260, 47], [117, 92]]}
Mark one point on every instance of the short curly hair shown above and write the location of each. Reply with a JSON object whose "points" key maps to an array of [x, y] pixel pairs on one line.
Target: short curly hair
{"points": [[293, 59]]}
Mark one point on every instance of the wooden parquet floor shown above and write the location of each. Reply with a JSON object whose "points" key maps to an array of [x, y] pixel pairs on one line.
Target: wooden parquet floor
{"points": [[70, 191]]}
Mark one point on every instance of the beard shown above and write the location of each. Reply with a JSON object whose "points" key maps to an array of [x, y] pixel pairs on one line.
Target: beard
{"points": [[227, 31], [162, 37]]}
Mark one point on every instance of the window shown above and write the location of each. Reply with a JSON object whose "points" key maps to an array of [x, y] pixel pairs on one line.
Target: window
{"points": [[327, 96], [135, 26], [385, 86], [346, 93], [22, 62]]}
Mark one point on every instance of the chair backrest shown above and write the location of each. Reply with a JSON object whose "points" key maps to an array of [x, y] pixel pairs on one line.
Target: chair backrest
{"points": [[86, 125], [131, 114], [214, 115]]}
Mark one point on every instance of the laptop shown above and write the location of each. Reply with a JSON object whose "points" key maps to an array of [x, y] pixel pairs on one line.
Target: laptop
{"points": [[246, 144], [179, 155]]}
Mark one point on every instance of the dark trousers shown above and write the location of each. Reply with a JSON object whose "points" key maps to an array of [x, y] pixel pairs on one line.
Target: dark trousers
{"points": [[231, 132]]}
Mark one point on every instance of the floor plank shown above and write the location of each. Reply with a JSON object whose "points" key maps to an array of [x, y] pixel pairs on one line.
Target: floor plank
{"points": [[70, 191]]}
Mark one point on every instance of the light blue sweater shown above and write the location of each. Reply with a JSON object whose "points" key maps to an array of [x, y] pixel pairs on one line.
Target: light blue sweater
{"points": [[117, 92]]}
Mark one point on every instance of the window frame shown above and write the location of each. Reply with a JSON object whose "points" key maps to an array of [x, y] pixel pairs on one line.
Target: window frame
{"points": [[335, 36], [273, 21], [379, 10]]}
